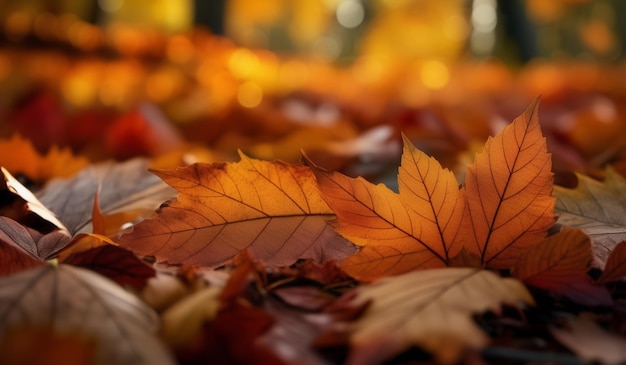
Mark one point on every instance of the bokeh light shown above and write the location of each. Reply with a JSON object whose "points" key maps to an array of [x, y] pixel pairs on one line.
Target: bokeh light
{"points": [[249, 94]]}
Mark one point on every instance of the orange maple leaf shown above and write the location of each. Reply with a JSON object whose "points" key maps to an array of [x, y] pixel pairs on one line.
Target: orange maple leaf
{"points": [[398, 232], [505, 207], [18, 155], [508, 190], [272, 208]]}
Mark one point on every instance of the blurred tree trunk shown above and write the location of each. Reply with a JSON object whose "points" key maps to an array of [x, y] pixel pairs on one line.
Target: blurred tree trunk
{"points": [[210, 13]]}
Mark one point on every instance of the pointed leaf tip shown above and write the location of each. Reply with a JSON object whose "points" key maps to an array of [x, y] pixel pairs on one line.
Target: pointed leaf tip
{"points": [[414, 229], [508, 192]]}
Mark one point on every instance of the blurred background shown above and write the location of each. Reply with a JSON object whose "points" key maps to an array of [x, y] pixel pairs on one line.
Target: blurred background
{"points": [[340, 79]]}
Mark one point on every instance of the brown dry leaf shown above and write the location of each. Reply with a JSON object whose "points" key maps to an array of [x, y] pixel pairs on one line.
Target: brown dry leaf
{"points": [[589, 341], [559, 265], [599, 208], [431, 309], [271, 208], [399, 232], [26, 208], [615, 268], [19, 156], [67, 299], [122, 187], [36, 244], [14, 259], [97, 253], [508, 190]]}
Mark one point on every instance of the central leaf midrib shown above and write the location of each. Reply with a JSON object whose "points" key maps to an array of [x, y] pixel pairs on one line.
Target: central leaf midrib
{"points": [[504, 190], [330, 215]]}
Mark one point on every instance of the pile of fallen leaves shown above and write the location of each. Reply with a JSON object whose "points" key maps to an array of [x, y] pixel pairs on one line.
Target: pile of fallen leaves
{"points": [[258, 262]]}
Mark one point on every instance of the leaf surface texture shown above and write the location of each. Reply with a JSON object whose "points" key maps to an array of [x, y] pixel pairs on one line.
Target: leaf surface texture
{"points": [[68, 299], [431, 309], [271, 208]]}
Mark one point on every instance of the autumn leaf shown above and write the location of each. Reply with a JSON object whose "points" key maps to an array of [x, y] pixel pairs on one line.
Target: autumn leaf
{"points": [[598, 208], [99, 253], [589, 341], [19, 156], [271, 208], [113, 262], [23, 206], [559, 265], [615, 269], [36, 244], [399, 232], [566, 251], [508, 190], [13, 259], [122, 187], [505, 207], [69, 299], [431, 309]]}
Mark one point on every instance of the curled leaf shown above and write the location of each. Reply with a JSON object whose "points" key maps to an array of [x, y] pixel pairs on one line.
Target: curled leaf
{"points": [[95, 253], [127, 186], [43, 246], [27, 209]]}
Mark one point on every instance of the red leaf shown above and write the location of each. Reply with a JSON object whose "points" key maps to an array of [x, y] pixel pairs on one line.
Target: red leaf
{"points": [[615, 268], [116, 263], [14, 259], [559, 265]]}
